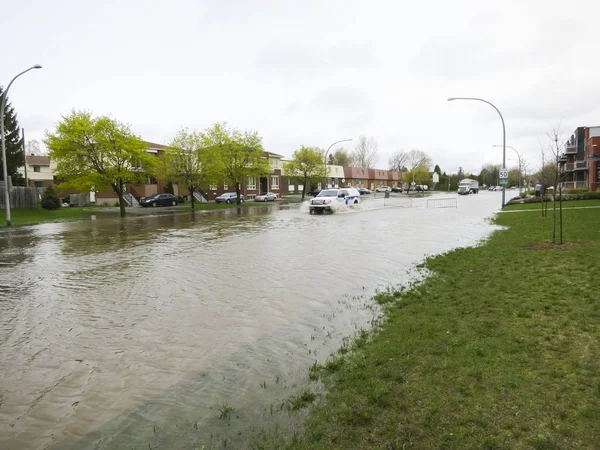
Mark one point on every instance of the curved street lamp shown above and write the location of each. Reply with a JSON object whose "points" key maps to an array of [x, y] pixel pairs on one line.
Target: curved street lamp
{"points": [[450, 176], [503, 134], [2, 137], [327, 152]]}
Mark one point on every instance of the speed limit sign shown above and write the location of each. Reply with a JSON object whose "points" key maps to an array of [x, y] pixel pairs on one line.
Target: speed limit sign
{"points": [[503, 174]]}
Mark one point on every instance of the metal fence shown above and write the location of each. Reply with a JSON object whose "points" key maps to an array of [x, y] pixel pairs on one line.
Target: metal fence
{"points": [[21, 197], [442, 203]]}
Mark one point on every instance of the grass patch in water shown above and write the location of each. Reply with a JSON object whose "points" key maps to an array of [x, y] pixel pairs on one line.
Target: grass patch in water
{"points": [[498, 348], [33, 216], [302, 401]]}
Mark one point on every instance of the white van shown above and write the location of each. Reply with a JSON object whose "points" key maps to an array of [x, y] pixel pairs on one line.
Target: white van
{"points": [[330, 199]]}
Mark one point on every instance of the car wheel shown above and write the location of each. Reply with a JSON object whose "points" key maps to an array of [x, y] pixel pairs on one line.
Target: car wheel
{"points": [[241, 200], [173, 203], [228, 201], [153, 204], [310, 211]]}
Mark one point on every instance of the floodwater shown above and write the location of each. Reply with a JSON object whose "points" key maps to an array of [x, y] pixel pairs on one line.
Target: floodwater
{"points": [[138, 333]]}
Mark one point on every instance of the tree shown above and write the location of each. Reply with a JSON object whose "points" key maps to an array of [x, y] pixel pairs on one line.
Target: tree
{"points": [[236, 155], [97, 153], [556, 149], [365, 153], [34, 147], [341, 157], [437, 170], [13, 143], [307, 166], [187, 162], [398, 161], [50, 200], [407, 161], [420, 175]]}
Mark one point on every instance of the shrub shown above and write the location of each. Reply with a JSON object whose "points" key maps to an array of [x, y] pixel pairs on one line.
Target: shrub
{"points": [[180, 199], [50, 200], [575, 191], [590, 195]]}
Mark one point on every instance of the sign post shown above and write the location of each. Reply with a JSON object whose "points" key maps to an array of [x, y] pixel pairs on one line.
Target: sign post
{"points": [[503, 175]]}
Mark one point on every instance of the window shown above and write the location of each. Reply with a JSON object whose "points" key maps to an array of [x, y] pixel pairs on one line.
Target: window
{"points": [[36, 168], [291, 185], [274, 182], [225, 186], [39, 184], [213, 187], [251, 183]]}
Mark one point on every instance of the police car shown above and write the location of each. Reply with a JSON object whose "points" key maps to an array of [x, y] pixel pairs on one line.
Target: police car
{"points": [[333, 199]]}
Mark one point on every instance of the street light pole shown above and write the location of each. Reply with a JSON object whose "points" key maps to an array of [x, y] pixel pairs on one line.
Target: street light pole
{"points": [[519, 159], [450, 176], [327, 152], [503, 135], [3, 137]]}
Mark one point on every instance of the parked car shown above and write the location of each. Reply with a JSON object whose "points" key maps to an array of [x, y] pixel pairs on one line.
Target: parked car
{"points": [[160, 200], [383, 189], [396, 189], [364, 191], [229, 197], [315, 192], [266, 197]]}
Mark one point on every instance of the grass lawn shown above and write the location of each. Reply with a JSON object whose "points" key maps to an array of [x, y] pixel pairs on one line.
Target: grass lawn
{"points": [[31, 216], [566, 204], [498, 349]]}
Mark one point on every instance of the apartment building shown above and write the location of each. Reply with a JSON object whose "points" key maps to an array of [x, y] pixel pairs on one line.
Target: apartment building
{"points": [[579, 164]]}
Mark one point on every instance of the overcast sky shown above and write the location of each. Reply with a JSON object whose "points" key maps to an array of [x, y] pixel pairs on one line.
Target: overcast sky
{"points": [[310, 72]]}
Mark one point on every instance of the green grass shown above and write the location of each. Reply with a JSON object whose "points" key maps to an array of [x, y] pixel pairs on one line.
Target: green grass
{"points": [[498, 349], [566, 204], [32, 216]]}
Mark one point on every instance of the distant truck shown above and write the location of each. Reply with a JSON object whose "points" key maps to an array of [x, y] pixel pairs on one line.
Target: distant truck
{"points": [[468, 186]]}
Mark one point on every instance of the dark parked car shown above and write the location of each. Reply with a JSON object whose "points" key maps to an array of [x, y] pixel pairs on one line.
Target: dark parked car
{"points": [[396, 189], [229, 197], [160, 200], [315, 192], [364, 191]]}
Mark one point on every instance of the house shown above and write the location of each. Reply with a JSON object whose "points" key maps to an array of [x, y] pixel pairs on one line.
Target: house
{"points": [[579, 164], [40, 171], [253, 185], [357, 176]]}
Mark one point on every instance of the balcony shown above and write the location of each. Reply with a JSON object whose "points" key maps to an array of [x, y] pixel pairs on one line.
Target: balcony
{"points": [[570, 149], [581, 165], [568, 167], [562, 157]]}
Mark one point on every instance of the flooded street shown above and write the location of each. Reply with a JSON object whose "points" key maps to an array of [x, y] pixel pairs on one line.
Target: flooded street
{"points": [[116, 334]]}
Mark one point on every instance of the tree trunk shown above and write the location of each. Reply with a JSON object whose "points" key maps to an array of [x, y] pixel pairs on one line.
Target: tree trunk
{"points": [[238, 192], [119, 190], [304, 187], [191, 189]]}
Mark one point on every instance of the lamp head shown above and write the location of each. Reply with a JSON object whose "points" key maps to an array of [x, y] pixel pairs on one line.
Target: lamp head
{"points": [[37, 66], [451, 99]]}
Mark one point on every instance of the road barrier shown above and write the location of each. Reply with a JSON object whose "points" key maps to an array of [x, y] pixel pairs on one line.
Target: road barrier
{"points": [[442, 203]]}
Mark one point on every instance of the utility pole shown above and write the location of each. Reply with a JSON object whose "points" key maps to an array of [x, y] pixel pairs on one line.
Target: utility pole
{"points": [[24, 156]]}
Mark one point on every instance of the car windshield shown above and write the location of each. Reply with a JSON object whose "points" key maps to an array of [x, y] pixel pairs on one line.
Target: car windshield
{"points": [[329, 193], [264, 193]]}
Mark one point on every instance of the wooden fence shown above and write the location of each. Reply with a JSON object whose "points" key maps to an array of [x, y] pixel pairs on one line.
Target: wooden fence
{"points": [[21, 197]]}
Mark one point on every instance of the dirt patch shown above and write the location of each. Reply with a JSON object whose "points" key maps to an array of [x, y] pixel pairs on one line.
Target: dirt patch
{"points": [[550, 246]]}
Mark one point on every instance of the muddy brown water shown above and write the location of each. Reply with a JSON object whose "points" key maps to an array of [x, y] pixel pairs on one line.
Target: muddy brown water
{"points": [[136, 333]]}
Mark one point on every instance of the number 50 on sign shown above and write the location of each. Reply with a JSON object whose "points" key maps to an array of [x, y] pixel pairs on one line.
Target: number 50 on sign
{"points": [[503, 173]]}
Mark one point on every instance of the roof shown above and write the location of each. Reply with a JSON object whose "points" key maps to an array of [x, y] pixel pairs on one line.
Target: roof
{"points": [[275, 155], [33, 160], [156, 146]]}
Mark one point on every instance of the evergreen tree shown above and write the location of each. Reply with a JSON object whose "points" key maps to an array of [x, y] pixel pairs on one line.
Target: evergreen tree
{"points": [[14, 150], [437, 169], [50, 200]]}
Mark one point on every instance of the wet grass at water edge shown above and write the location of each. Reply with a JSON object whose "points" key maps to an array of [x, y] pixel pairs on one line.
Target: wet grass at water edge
{"points": [[32, 216], [498, 349]]}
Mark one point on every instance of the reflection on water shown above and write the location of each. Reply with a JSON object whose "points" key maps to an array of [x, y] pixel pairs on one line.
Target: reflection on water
{"points": [[111, 330]]}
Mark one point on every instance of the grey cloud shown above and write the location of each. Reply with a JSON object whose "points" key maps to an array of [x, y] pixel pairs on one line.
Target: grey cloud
{"points": [[287, 57]]}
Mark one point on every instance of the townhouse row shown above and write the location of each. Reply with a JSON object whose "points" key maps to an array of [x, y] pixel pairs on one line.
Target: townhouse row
{"points": [[40, 174], [579, 164]]}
